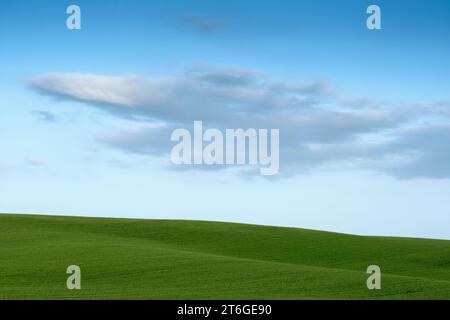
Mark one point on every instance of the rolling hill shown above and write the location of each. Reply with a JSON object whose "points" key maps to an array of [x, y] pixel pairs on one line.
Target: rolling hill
{"points": [[173, 259]]}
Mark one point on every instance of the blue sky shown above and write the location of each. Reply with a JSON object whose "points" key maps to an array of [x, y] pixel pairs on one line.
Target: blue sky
{"points": [[364, 152]]}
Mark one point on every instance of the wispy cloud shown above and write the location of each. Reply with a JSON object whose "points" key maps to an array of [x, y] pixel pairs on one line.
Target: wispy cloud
{"points": [[318, 125], [44, 115], [202, 23], [35, 161]]}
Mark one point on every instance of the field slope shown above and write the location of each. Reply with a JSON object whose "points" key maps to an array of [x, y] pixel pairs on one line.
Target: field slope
{"points": [[165, 259]]}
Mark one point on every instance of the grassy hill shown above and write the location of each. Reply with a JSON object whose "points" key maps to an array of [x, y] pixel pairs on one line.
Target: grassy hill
{"points": [[162, 259]]}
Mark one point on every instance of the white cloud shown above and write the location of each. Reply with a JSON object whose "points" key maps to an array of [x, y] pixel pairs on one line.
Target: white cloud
{"points": [[307, 114]]}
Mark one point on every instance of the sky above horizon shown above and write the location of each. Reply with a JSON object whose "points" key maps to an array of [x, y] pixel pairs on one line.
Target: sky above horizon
{"points": [[86, 115]]}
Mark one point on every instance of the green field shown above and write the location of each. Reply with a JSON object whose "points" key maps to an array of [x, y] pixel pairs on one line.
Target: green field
{"points": [[173, 259]]}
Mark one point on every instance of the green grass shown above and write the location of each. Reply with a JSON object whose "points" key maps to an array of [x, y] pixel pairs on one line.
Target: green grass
{"points": [[169, 259]]}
